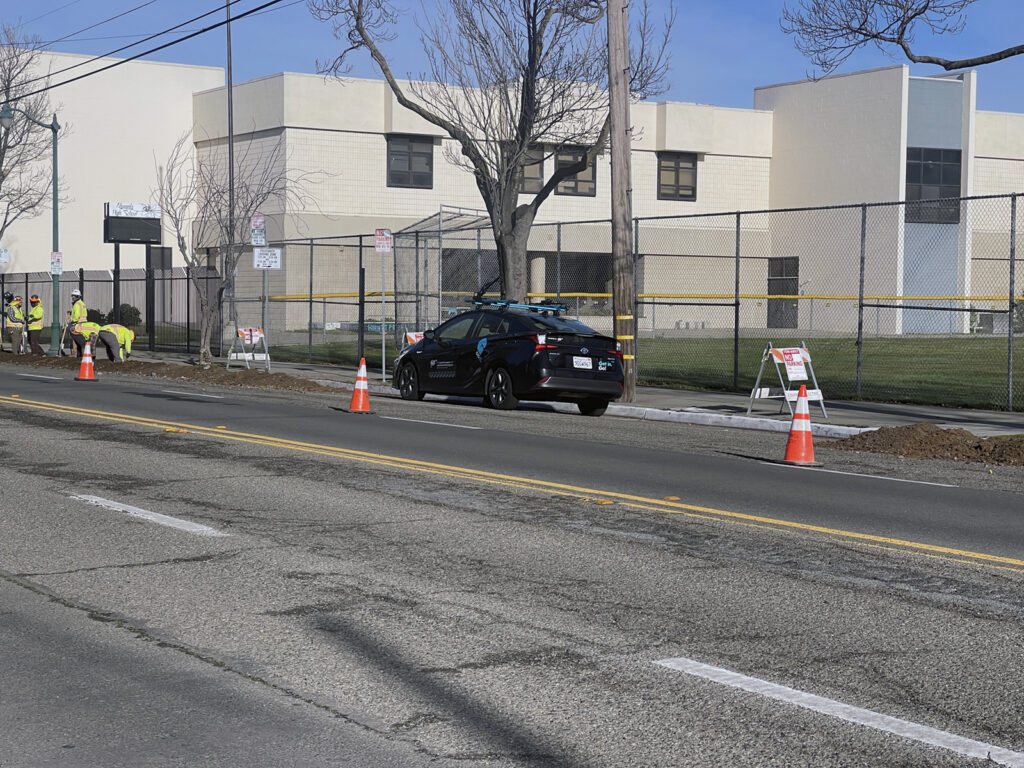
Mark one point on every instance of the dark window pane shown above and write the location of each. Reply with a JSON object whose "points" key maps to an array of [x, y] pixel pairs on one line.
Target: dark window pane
{"points": [[931, 173], [931, 155], [913, 173], [914, 154], [951, 174], [951, 156]]}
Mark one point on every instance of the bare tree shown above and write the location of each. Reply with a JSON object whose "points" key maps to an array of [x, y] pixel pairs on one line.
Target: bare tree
{"points": [[193, 191], [829, 31], [25, 169], [513, 84]]}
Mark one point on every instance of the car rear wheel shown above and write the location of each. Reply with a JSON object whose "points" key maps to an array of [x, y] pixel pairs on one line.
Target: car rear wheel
{"points": [[409, 383], [498, 390], [593, 406]]}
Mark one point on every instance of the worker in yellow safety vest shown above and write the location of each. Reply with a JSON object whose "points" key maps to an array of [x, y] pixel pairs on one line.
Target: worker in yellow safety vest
{"points": [[15, 323], [118, 341], [35, 325], [83, 332], [78, 314]]}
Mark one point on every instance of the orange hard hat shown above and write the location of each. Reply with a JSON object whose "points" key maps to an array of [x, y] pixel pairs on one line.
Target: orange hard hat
{"points": [[34, 299]]}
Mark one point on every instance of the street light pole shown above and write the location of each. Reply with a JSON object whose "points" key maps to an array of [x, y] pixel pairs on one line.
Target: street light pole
{"points": [[6, 119]]}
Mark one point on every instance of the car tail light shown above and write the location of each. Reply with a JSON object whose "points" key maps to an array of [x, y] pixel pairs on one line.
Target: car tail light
{"points": [[617, 352], [540, 341]]}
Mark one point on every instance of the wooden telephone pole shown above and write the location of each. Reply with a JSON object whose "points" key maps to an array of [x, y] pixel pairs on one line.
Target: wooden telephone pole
{"points": [[623, 270]]}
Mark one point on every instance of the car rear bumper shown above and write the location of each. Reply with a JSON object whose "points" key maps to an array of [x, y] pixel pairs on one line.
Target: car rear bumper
{"points": [[570, 386]]}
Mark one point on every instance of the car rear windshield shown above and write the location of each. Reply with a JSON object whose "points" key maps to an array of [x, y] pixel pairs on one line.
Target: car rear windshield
{"points": [[556, 325]]}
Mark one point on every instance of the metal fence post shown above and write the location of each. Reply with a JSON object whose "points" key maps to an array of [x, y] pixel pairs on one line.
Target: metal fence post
{"points": [[860, 296], [736, 312], [1012, 301], [383, 323], [362, 297], [558, 260], [636, 295], [418, 320], [188, 311], [309, 340], [479, 270]]}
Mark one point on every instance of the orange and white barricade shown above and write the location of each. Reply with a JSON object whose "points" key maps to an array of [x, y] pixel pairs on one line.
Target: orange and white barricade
{"points": [[796, 362], [249, 344]]}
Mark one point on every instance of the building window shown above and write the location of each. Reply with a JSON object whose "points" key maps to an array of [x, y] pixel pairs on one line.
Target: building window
{"points": [[783, 280], [583, 183], [532, 179], [932, 175], [411, 161], [677, 176]]}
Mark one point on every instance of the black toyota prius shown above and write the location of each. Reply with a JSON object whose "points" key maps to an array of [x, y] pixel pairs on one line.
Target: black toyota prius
{"points": [[507, 352]]}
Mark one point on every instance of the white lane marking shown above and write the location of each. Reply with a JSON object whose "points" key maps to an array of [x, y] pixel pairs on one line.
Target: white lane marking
{"points": [[435, 423], [196, 394], [39, 376], [153, 517], [833, 708], [860, 474]]}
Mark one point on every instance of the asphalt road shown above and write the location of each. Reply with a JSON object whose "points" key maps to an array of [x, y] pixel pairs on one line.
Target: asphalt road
{"points": [[486, 589]]}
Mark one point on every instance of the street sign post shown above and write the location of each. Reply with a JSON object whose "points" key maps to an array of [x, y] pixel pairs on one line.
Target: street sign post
{"points": [[264, 259], [258, 231], [5, 256], [382, 240], [56, 263]]}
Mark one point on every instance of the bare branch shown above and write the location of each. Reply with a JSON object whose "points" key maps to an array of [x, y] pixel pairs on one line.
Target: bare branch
{"points": [[829, 31], [504, 78]]}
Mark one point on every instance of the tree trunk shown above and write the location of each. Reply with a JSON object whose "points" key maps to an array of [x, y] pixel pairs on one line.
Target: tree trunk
{"points": [[512, 251], [207, 322]]}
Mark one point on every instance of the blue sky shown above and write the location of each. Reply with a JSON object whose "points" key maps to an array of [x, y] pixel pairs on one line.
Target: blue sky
{"points": [[721, 50]]}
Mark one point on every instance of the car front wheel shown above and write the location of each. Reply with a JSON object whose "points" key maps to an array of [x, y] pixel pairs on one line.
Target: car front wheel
{"points": [[593, 406], [409, 383], [498, 390]]}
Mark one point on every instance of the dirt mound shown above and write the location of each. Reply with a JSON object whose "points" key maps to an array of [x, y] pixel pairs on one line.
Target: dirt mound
{"points": [[928, 441], [216, 374]]}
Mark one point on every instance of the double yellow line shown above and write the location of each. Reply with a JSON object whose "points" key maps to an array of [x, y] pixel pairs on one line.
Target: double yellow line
{"points": [[669, 505]]}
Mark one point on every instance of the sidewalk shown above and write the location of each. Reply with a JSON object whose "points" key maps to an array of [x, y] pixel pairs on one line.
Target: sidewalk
{"points": [[726, 409]]}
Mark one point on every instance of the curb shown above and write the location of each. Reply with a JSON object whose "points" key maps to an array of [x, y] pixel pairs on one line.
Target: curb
{"points": [[642, 413]]}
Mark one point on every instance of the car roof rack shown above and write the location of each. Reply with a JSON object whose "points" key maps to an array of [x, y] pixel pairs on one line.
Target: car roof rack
{"points": [[542, 307]]}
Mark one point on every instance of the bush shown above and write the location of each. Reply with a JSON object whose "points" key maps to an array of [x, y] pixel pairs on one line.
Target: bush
{"points": [[95, 316], [130, 316]]}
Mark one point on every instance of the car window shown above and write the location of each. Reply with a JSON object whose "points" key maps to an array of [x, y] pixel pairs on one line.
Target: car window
{"points": [[492, 325], [555, 324], [457, 329]]}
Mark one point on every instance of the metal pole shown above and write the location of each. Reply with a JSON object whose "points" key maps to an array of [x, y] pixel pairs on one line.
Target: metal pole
{"points": [[860, 296], [383, 329], [310, 323], [150, 299], [263, 314], [362, 297], [54, 350], [558, 261], [479, 276], [188, 311], [116, 312], [230, 273], [636, 293], [736, 312], [1012, 301], [418, 281]]}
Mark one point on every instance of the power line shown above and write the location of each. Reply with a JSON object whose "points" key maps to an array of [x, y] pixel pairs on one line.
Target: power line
{"points": [[105, 21], [150, 34], [126, 47], [152, 50], [50, 13]]}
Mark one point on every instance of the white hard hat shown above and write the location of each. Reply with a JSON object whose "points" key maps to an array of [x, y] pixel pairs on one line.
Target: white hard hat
{"points": [[76, 292]]}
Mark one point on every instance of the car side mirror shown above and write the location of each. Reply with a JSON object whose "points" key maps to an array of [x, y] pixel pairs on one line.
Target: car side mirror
{"points": [[428, 335]]}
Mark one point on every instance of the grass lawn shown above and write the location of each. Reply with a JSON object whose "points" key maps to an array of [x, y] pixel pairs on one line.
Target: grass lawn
{"points": [[966, 371]]}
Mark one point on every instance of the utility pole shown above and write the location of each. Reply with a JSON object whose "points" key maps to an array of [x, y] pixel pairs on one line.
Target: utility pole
{"points": [[229, 262], [623, 270]]}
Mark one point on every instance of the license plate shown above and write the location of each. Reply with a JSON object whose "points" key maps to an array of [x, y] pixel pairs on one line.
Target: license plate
{"points": [[582, 362]]}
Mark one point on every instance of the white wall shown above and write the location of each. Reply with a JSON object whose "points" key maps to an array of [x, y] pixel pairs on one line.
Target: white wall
{"points": [[118, 125]]}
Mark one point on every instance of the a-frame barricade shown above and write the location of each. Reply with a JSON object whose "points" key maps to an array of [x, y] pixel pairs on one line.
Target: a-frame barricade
{"points": [[796, 362], [249, 344]]}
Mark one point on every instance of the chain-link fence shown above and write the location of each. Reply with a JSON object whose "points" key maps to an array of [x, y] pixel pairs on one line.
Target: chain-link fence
{"points": [[160, 305], [914, 302], [905, 302]]}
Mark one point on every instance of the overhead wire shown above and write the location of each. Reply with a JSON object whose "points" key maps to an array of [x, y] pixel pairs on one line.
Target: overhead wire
{"points": [[105, 21], [130, 45], [152, 50]]}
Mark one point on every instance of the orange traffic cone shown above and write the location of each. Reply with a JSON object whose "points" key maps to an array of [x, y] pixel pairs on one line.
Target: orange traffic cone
{"points": [[800, 448], [361, 394], [85, 372]]}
